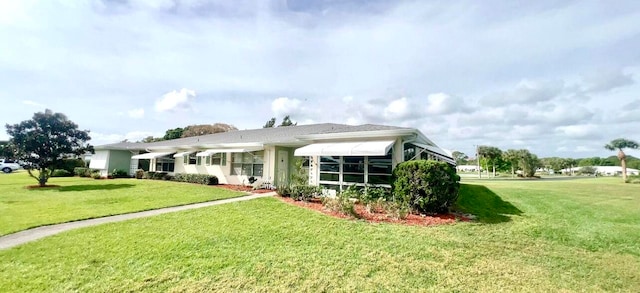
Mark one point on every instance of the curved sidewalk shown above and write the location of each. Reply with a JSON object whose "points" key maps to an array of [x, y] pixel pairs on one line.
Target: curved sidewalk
{"points": [[18, 238]]}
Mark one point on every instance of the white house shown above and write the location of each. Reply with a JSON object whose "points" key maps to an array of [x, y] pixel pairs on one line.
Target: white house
{"points": [[336, 155], [604, 170]]}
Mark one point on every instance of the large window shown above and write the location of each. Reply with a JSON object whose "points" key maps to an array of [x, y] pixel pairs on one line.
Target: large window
{"points": [[165, 164], [248, 164], [340, 171]]}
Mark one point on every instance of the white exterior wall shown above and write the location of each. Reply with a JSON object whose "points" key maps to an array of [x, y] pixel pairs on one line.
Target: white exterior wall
{"points": [[224, 172]]}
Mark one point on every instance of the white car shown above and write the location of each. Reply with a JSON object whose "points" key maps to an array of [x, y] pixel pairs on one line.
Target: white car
{"points": [[8, 166]]}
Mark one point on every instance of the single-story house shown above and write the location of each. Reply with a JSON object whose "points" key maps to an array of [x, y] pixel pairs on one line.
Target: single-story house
{"points": [[468, 168], [335, 155], [604, 170]]}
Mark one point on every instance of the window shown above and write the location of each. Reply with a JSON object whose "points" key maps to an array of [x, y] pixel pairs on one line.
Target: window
{"points": [[165, 164], [342, 171], [190, 159], [247, 164], [199, 161]]}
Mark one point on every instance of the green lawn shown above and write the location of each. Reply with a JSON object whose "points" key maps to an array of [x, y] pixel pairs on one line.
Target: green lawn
{"points": [[532, 236], [82, 198]]}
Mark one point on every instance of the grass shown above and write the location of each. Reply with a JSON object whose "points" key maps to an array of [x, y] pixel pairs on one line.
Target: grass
{"points": [[82, 198], [532, 236]]}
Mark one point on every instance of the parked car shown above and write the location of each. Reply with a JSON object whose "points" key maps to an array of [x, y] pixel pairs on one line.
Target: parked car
{"points": [[8, 166]]}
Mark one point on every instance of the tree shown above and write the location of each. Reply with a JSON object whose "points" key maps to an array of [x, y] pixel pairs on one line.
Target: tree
{"points": [[492, 154], [202, 129], [45, 140], [7, 150], [270, 123], [512, 157], [621, 144], [460, 157], [286, 121], [528, 162], [173, 133]]}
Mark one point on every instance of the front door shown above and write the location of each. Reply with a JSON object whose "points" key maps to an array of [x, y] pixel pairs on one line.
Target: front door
{"points": [[283, 167]]}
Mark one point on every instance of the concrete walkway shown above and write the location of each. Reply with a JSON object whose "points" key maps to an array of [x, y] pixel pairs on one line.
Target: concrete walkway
{"points": [[28, 235]]}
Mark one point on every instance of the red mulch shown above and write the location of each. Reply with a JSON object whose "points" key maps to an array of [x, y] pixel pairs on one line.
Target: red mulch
{"points": [[242, 188], [381, 217], [38, 186]]}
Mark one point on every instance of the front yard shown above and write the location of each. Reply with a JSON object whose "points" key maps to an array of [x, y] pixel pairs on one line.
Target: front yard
{"points": [[532, 236], [82, 198]]}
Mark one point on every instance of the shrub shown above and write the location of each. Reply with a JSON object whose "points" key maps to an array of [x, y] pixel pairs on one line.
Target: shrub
{"points": [[633, 179], [96, 175], [426, 186], [373, 198], [148, 175], [69, 164], [342, 203], [284, 191], [82, 172], [397, 209], [195, 178], [158, 175], [61, 173], [120, 174], [304, 192], [139, 174]]}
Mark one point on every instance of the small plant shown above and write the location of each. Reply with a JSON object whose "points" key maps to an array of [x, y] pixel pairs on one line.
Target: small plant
{"points": [[374, 197], [117, 173], [304, 192], [342, 203], [82, 172], [96, 175], [139, 174], [203, 179], [398, 209], [284, 191]]}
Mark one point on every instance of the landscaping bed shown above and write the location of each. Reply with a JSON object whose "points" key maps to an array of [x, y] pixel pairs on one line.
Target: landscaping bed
{"points": [[243, 188], [378, 216]]}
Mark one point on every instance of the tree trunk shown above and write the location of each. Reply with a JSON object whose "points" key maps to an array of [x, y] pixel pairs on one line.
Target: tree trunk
{"points": [[42, 177], [494, 170], [513, 172], [623, 164]]}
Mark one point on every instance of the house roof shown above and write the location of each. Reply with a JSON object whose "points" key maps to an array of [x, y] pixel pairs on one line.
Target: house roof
{"points": [[292, 135]]}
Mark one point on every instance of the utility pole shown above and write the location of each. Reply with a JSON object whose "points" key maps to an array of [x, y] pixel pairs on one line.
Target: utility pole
{"points": [[478, 161]]}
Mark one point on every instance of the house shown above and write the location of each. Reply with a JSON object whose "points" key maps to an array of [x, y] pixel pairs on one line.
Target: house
{"points": [[604, 170], [467, 168], [335, 155]]}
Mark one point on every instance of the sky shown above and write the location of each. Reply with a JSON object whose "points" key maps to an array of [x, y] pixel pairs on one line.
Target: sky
{"points": [[560, 78]]}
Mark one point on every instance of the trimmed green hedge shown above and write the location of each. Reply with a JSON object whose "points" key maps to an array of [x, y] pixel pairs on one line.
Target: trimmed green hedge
{"points": [[196, 178], [427, 186], [61, 173]]}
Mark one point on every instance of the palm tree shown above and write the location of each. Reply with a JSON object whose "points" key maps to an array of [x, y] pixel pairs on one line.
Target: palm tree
{"points": [[621, 144]]}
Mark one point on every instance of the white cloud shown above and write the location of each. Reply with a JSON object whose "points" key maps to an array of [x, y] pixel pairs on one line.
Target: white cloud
{"points": [[579, 131], [32, 103], [175, 99], [136, 113], [284, 106], [441, 103], [397, 109], [606, 80]]}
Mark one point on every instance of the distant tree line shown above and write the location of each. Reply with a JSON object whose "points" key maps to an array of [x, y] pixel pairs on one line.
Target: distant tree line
{"points": [[495, 160]]}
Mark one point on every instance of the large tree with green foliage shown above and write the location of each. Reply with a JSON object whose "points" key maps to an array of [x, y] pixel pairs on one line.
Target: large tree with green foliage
{"points": [[491, 154], [47, 139], [512, 157], [460, 157], [620, 144], [528, 162]]}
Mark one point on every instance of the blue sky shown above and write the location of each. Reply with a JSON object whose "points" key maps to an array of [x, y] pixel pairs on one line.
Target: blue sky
{"points": [[557, 77]]}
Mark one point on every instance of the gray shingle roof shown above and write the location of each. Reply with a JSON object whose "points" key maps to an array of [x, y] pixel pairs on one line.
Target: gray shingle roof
{"points": [[262, 135]]}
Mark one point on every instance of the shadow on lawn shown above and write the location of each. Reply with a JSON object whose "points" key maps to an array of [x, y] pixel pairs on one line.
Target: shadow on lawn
{"points": [[484, 203], [87, 187]]}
